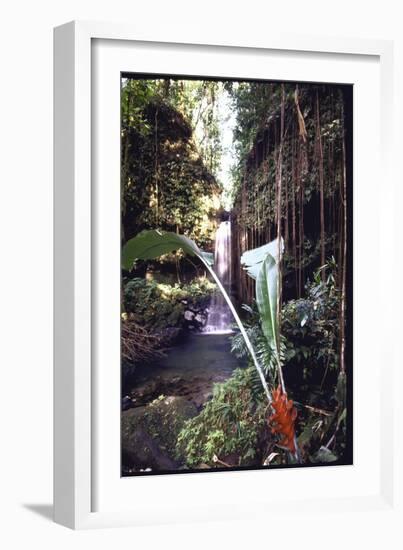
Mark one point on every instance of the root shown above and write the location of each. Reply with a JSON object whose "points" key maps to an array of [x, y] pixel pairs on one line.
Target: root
{"points": [[138, 344]]}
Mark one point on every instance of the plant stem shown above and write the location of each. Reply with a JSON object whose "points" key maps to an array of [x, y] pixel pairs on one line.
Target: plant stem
{"points": [[243, 332]]}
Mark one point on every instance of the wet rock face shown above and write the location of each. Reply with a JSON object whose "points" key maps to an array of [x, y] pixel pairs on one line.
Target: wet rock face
{"points": [[196, 319], [149, 434]]}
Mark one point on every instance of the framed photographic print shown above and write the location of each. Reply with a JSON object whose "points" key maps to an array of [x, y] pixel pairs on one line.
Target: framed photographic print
{"points": [[236, 221], [210, 235]]}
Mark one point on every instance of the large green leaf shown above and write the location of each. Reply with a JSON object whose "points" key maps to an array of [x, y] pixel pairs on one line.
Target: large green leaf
{"points": [[262, 265], [252, 260], [266, 299], [150, 244]]}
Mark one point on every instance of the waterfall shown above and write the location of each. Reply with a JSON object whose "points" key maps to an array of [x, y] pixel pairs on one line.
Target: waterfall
{"points": [[220, 317]]}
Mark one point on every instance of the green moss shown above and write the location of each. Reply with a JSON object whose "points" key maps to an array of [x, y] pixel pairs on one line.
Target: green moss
{"points": [[165, 417], [149, 434]]}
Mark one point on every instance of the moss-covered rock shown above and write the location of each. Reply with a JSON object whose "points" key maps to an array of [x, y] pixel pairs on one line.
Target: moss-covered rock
{"points": [[149, 434]]}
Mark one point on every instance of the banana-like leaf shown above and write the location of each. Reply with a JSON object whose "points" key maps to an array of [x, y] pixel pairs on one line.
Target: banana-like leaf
{"points": [[266, 299], [252, 260], [150, 244], [262, 264]]}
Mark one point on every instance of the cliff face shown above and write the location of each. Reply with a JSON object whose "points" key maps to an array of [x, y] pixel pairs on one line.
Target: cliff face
{"points": [[299, 155]]}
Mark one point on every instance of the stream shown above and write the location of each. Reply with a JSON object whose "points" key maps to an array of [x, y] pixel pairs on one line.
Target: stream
{"points": [[202, 359], [188, 370]]}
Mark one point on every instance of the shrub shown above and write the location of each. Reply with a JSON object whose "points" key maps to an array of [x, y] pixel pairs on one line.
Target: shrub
{"points": [[231, 427], [309, 330], [311, 325], [158, 306]]}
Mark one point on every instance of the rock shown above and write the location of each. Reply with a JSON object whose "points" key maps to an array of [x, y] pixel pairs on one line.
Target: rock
{"points": [[145, 392], [127, 403], [195, 320], [149, 433], [324, 455]]}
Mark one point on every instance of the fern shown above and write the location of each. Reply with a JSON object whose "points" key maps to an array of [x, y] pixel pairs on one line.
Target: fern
{"points": [[263, 352]]}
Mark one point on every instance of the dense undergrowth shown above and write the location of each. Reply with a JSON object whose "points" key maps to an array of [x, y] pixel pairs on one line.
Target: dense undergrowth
{"points": [[233, 427], [159, 306]]}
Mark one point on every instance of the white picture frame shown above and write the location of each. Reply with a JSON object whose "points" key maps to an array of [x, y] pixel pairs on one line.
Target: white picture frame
{"points": [[78, 388]]}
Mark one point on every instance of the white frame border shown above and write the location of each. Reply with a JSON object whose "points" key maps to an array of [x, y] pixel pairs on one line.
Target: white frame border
{"points": [[72, 204]]}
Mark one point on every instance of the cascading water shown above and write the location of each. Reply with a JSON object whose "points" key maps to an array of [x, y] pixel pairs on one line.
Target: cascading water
{"points": [[220, 317]]}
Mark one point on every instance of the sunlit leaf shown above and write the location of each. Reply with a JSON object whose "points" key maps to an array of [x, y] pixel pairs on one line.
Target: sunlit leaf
{"points": [[252, 260], [151, 244], [266, 299]]}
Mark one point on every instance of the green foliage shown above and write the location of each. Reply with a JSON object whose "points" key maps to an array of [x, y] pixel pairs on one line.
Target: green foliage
{"points": [[148, 245], [305, 172], [252, 260], [164, 418], [258, 106], [309, 329], [262, 264], [230, 427], [311, 325], [323, 437], [158, 306], [170, 151], [196, 100], [267, 299], [254, 103], [135, 96], [264, 353]]}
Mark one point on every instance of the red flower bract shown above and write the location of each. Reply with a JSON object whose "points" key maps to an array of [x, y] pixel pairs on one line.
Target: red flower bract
{"points": [[282, 421]]}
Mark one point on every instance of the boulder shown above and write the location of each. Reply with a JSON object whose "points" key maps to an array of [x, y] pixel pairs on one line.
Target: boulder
{"points": [[201, 319], [189, 315], [149, 433]]}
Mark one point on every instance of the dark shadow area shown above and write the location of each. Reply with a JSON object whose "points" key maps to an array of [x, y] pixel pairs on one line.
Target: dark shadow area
{"points": [[44, 510]]}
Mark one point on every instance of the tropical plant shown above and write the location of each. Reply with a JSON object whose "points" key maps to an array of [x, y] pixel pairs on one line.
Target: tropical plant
{"points": [[253, 328], [262, 265], [309, 332]]}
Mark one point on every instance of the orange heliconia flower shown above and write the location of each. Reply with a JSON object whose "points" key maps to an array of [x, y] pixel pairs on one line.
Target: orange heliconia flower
{"points": [[282, 421]]}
